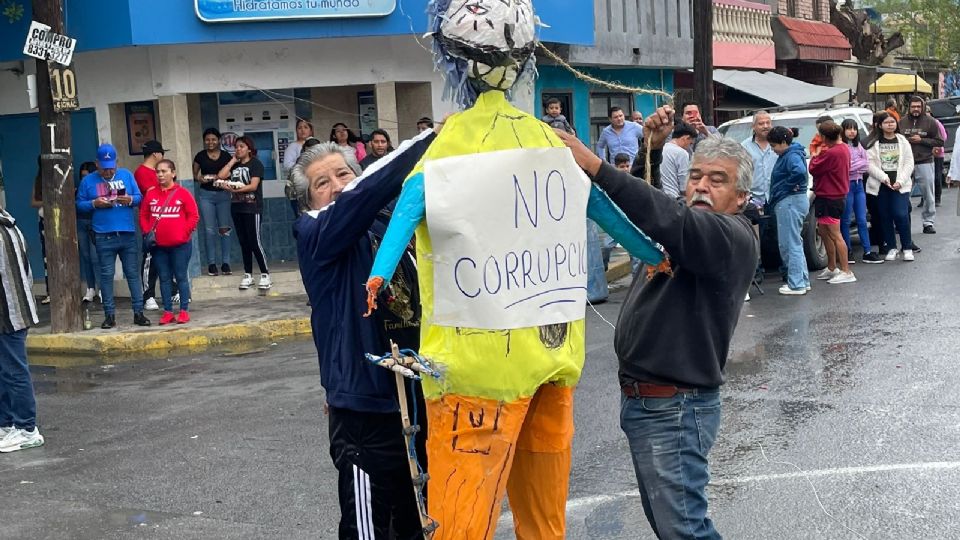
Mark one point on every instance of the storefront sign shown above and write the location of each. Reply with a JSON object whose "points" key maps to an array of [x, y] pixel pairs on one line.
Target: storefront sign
{"points": [[44, 44], [141, 125], [271, 10], [63, 87]]}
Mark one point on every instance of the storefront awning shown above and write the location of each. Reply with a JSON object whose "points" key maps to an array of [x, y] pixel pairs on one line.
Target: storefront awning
{"points": [[775, 88], [896, 83], [799, 39]]}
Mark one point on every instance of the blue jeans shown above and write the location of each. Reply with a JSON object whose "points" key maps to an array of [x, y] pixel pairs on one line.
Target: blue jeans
{"points": [[18, 406], [126, 246], [596, 277], [88, 252], [923, 176], [856, 205], [172, 262], [215, 211], [791, 213], [894, 210], [669, 440]]}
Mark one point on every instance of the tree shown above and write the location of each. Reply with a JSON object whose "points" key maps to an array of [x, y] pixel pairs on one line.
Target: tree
{"points": [[867, 40], [930, 26]]}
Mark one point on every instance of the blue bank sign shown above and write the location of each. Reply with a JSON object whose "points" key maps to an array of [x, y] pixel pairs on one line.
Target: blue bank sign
{"points": [[271, 10]]}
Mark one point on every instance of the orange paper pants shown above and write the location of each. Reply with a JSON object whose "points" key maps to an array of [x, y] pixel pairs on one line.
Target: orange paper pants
{"points": [[477, 449]]}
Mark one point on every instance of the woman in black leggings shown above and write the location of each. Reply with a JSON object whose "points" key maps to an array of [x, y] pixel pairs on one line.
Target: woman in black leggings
{"points": [[242, 177]]}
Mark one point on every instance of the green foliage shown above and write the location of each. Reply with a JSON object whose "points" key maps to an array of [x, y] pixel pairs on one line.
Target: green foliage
{"points": [[930, 26]]}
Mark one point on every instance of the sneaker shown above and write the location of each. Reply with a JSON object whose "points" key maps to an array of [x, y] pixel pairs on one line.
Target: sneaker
{"points": [[747, 299], [850, 259], [225, 269], [786, 290], [110, 321], [265, 282], [908, 255], [151, 304], [212, 270], [891, 255], [915, 248], [928, 229], [246, 282], [828, 274], [45, 300], [166, 318], [89, 295], [21, 439], [183, 317], [843, 277], [140, 320], [872, 258], [4, 430], [176, 298]]}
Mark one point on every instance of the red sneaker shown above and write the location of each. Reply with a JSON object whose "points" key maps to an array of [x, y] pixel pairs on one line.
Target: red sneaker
{"points": [[183, 317], [166, 318]]}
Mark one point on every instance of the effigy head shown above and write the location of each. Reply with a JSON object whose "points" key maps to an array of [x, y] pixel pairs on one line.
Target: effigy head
{"points": [[482, 44]]}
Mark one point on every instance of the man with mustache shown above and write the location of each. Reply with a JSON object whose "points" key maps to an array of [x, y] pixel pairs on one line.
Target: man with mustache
{"points": [[675, 329]]}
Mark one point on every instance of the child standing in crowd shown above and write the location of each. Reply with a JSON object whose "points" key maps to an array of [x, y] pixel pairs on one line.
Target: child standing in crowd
{"points": [[788, 198], [622, 162], [214, 202], [242, 176], [554, 117], [817, 142], [856, 197], [830, 168], [171, 212], [891, 179]]}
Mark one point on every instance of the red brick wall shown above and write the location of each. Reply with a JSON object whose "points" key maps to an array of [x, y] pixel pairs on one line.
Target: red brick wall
{"points": [[804, 9]]}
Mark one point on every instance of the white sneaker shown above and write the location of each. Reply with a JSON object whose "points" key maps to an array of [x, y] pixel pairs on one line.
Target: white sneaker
{"points": [[246, 282], [786, 290], [828, 274], [151, 304], [4, 430], [908, 255], [265, 282], [891, 255], [89, 295], [843, 277], [21, 439], [176, 298]]}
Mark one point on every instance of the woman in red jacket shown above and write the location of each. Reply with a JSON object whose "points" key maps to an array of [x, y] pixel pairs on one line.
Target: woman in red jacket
{"points": [[171, 211], [830, 168]]}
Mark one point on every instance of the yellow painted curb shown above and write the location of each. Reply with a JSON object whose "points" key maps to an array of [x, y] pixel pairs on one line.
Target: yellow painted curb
{"points": [[198, 337]]}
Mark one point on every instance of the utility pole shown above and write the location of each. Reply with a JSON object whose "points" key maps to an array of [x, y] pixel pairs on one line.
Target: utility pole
{"points": [[59, 202], [703, 58]]}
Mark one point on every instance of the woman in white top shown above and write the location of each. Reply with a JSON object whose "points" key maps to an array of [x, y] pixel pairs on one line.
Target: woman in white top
{"points": [[290, 155], [891, 171]]}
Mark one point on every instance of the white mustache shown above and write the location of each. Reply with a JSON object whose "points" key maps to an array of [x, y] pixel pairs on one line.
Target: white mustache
{"points": [[701, 198]]}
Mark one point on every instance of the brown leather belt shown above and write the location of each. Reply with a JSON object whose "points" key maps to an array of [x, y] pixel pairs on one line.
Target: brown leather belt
{"points": [[650, 390]]}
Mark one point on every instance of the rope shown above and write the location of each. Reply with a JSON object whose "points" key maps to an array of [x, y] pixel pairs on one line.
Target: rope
{"points": [[595, 81]]}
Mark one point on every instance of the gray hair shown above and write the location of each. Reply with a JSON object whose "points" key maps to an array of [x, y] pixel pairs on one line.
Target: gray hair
{"points": [[298, 174], [758, 114], [717, 147]]}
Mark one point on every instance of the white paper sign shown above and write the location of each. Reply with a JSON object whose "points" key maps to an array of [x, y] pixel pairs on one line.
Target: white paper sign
{"points": [[508, 230], [45, 44]]}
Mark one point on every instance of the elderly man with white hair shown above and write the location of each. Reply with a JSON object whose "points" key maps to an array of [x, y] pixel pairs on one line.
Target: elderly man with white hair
{"points": [[675, 329], [343, 221]]}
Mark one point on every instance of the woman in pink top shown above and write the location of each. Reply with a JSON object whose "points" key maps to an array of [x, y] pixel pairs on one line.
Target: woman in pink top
{"points": [[856, 197], [345, 136]]}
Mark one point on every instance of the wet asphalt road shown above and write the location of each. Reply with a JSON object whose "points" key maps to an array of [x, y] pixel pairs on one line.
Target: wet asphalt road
{"points": [[840, 421]]}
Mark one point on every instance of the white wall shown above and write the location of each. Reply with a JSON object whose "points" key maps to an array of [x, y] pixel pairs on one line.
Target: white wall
{"points": [[143, 73]]}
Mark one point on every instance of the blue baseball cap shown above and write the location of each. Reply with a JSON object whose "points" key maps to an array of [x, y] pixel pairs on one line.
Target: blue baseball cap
{"points": [[107, 156]]}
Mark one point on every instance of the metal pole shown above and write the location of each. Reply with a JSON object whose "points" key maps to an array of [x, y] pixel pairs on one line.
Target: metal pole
{"points": [[703, 58]]}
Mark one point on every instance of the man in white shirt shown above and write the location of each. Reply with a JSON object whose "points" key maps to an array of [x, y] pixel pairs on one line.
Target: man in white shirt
{"points": [[675, 163]]}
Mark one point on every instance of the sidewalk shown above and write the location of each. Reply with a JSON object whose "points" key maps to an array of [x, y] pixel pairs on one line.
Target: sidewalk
{"points": [[240, 320], [246, 317]]}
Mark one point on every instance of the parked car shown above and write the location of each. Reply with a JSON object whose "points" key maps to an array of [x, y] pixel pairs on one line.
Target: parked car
{"points": [[804, 123], [947, 111]]}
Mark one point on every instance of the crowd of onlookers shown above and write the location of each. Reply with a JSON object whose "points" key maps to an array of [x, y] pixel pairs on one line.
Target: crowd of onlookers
{"points": [[147, 219], [867, 182]]}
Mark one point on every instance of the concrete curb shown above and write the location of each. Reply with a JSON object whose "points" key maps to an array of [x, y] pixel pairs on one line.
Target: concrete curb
{"points": [[618, 269], [194, 338]]}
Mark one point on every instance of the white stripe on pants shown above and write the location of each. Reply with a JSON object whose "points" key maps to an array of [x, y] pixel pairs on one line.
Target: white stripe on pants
{"points": [[362, 504]]}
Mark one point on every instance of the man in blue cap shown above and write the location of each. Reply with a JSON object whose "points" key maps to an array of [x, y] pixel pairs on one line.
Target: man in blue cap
{"points": [[111, 193]]}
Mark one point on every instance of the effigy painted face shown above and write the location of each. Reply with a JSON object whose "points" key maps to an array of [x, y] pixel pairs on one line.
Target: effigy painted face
{"points": [[495, 37]]}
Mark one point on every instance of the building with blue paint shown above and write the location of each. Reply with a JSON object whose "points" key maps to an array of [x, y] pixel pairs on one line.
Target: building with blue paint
{"points": [[168, 70]]}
